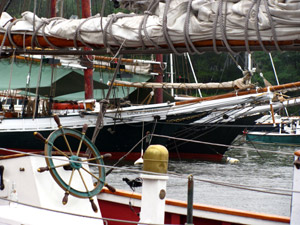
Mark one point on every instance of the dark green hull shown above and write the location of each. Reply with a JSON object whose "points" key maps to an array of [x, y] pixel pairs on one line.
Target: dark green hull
{"points": [[265, 137]]}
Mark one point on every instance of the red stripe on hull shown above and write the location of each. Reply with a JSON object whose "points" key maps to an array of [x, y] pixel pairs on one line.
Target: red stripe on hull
{"points": [[118, 211], [123, 212], [19, 151], [135, 155], [205, 157]]}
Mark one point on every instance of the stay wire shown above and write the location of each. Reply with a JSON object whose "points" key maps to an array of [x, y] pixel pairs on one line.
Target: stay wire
{"points": [[103, 104], [36, 103]]}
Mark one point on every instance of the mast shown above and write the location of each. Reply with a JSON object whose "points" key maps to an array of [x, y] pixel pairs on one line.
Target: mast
{"points": [[88, 73], [53, 8], [159, 78], [53, 14], [172, 73]]}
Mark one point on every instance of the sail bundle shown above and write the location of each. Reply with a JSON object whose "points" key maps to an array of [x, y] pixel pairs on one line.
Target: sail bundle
{"points": [[172, 24], [241, 83]]}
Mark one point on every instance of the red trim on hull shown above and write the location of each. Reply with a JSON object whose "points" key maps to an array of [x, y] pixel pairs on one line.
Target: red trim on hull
{"points": [[135, 155], [199, 156], [205, 157], [20, 151]]}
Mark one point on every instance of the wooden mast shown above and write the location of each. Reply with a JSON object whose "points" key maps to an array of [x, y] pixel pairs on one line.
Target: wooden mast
{"points": [[53, 8], [159, 78], [88, 73]]}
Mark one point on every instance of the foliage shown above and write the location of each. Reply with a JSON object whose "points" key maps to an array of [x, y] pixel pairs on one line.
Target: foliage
{"points": [[67, 9]]}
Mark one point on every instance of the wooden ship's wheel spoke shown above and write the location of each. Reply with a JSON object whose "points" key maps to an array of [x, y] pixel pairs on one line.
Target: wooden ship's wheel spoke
{"points": [[57, 120], [40, 137], [84, 129]]}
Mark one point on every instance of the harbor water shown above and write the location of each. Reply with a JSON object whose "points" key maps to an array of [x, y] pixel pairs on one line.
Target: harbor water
{"points": [[260, 182]]}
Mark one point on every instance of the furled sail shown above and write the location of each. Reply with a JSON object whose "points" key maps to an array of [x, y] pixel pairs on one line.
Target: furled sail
{"points": [[194, 25], [241, 83]]}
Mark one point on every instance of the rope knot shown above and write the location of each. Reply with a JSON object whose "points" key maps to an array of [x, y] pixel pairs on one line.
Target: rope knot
{"points": [[45, 21], [114, 18]]}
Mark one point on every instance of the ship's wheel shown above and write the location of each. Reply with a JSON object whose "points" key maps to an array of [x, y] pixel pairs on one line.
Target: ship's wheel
{"points": [[70, 144]]}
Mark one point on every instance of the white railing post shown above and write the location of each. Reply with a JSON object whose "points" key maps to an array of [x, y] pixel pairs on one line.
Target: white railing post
{"points": [[295, 206], [154, 186]]}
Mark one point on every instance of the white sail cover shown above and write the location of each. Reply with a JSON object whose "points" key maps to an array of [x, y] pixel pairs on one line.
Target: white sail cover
{"points": [[194, 20], [241, 83]]}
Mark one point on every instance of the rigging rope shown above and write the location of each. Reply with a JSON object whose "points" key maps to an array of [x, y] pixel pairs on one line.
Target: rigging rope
{"points": [[10, 77], [103, 104], [37, 98], [219, 22], [28, 78]]}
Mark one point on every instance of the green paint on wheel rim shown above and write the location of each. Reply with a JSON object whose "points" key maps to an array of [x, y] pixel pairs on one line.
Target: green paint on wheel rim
{"points": [[75, 162]]}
